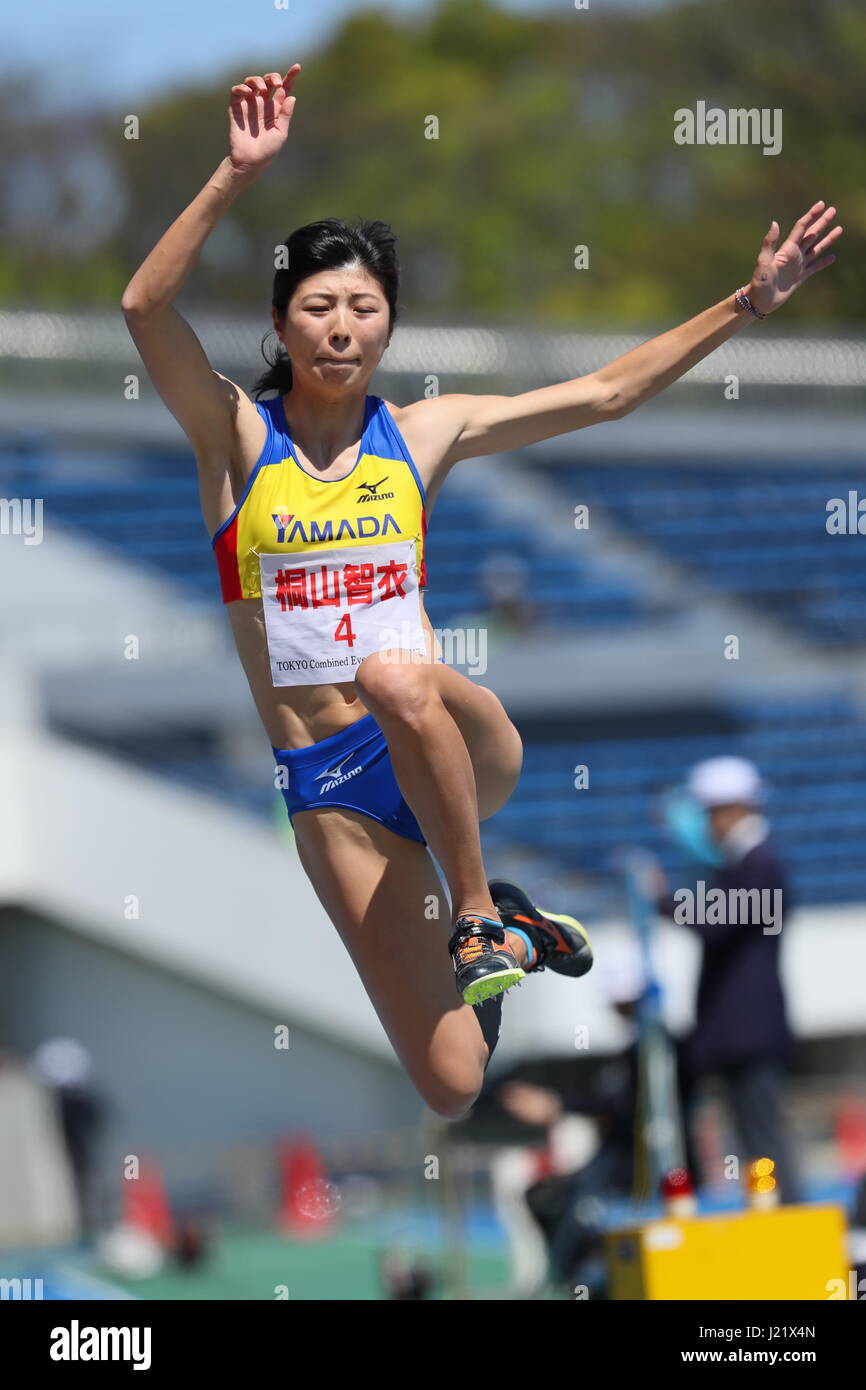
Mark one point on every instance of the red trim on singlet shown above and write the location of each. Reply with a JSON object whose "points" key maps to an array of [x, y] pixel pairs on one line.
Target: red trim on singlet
{"points": [[226, 551]]}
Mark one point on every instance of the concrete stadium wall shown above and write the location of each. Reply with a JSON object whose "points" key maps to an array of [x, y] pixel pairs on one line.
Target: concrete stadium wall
{"points": [[187, 1072]]}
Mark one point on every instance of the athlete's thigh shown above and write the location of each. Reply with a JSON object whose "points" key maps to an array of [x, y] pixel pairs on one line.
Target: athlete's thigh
{"points": [[383, 893], [495, 747]]}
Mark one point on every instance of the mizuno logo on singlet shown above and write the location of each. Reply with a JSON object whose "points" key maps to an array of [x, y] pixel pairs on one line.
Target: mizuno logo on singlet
{"points": [[369, 491], [367, 526]]}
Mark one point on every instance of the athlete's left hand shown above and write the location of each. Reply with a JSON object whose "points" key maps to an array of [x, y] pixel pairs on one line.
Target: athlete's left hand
{"points": [[778, 272]]}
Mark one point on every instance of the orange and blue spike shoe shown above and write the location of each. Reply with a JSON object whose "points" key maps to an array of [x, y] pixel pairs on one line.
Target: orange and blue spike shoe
{"points": [[484, 963], [560, 942]]}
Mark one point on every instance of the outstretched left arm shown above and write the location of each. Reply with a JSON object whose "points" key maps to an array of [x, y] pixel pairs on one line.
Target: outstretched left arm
{"points": [[477, 425]]}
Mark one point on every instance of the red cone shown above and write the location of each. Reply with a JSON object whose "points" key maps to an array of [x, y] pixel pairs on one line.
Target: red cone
{"points": [[309, 1203], [145, 1204]]}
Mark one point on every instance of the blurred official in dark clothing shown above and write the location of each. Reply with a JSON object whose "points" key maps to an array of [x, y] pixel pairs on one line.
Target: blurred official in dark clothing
{"points": [[569, 1207], [66, 1066], [741, 1031]]}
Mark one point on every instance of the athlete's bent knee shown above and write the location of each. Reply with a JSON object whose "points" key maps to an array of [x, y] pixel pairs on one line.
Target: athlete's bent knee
{"points": [[451, 1104], [452, 1091], [507, 732], [395, 685]]}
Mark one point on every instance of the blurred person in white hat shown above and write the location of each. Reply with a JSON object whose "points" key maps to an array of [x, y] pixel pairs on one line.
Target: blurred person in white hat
{"points": [[66, 1067], [731, 791], [741, 1033]]}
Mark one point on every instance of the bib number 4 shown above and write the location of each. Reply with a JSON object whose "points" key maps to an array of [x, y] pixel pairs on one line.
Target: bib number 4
{"points": [[344, 632], [373, 588]]}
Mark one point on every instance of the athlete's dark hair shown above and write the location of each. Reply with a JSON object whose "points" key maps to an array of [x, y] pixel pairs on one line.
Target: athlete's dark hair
{"points": [[329, 245]]}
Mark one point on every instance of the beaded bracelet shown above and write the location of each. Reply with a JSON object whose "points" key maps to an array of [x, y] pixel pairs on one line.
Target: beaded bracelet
{"points": [[745, 303]]}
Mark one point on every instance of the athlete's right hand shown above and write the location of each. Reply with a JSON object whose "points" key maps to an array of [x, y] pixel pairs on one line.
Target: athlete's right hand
{"points": [[260, 113]]}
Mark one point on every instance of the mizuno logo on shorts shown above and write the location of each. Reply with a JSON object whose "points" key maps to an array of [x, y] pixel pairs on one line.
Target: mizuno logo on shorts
{"points": [[336, 775]]}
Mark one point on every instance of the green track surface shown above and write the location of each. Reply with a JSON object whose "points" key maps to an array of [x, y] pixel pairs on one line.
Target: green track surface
{"points": [[252, 1265]]}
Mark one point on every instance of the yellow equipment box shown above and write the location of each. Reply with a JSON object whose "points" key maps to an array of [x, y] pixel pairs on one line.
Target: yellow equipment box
{"points": [[784, 1252]]}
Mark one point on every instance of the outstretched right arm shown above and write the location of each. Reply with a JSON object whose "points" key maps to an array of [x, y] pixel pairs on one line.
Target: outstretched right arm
{"points": [[203, 402], [195, 394]]}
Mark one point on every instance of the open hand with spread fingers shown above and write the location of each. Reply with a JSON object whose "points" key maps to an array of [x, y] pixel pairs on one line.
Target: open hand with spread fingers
{"points": [[780, 270]]}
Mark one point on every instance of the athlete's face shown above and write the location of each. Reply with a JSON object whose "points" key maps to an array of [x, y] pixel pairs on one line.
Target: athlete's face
{"points": [[336, 327]]}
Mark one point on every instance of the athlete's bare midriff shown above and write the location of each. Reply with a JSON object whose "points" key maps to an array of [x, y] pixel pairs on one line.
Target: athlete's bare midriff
{"points": [[295, 716]]}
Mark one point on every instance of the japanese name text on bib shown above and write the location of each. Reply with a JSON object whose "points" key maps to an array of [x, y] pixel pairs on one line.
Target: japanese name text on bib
{"points": [[325, 610]]}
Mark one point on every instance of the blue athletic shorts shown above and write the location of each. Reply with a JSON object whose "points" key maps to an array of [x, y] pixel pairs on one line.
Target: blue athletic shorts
{"points": [[351, 769]]}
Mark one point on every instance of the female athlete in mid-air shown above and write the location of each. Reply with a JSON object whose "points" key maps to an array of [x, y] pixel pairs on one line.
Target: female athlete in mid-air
{"points": [[318, 500]]}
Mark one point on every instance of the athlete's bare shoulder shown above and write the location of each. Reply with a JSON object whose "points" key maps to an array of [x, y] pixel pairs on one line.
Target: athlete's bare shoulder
{"points": [[431, 427]]}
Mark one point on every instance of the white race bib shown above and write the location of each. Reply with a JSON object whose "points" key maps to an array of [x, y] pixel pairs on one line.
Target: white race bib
{"points": [[325, 610]]}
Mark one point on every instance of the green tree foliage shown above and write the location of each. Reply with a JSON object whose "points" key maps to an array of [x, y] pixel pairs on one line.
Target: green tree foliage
{"points": [[554, 130]]}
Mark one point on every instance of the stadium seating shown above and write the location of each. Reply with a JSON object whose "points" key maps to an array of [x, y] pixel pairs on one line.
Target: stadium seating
{"points": [[146, 506], [751, 531], [811, 752]]}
